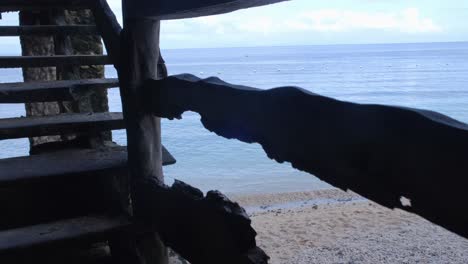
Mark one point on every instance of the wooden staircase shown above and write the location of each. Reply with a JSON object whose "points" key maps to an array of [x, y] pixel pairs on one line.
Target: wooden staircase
{"points": [[55, 174]]}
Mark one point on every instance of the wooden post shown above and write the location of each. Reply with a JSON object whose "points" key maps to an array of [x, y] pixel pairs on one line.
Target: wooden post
{"points": [[139, 62]]}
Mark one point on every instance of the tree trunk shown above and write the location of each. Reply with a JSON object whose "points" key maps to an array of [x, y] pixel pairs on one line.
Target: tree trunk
{"points": [[140, 48]]}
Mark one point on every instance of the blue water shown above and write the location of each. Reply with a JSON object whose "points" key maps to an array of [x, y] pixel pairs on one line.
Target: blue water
{"points": [[432, 76]]}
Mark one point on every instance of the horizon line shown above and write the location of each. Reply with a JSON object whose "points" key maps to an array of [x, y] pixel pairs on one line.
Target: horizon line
{"points": [[333, 44]]}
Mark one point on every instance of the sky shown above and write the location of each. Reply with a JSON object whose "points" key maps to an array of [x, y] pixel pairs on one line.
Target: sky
{"points": [[309, 22]]}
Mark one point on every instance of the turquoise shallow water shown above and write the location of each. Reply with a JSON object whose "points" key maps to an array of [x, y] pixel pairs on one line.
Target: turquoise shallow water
{"points": [[432, 76]]}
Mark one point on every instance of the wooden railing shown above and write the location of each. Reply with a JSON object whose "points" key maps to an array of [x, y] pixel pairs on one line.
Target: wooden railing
{"points": [[384, 153]]}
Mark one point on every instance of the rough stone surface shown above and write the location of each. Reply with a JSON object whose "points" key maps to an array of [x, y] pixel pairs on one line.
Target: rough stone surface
{"points": [[38, 45], [81, 45], [87, 44]]}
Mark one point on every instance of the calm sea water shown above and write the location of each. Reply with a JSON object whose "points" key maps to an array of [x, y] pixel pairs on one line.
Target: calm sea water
{"points": [[432, 76]]}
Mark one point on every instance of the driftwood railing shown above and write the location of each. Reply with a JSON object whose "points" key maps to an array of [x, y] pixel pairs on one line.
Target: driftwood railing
{"points": [[384, 153]]}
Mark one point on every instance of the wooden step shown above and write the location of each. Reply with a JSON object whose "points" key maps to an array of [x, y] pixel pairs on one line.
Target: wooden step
{"points": [[50, 91], [10, 31], [83, 228], [53, 61], [17, 5], [60, 124], [68, 163]]}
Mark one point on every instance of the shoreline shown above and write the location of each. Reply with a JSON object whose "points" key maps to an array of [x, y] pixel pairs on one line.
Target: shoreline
{"points": [[333, 226]]}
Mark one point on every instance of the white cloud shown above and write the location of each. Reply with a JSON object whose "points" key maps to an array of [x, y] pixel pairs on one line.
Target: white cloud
{"points": [[407, 20], [292, 22]]}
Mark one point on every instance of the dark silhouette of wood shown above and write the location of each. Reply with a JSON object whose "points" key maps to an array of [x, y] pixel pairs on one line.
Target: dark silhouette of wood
{"points": [[10, 31], [51, 91], [85, 123], [53, 61], [83, 228], [140, 55], [69, 163], [203, 230], [176, 9], [109, 28], [381, 152]]}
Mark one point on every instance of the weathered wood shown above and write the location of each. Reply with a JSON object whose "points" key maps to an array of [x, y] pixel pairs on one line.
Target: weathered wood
{"points": [[89, 228], [140, 55], [203, 230], [68, 163], [382, 152], [17, 5], [53, 61], [10, 31], [177, 9], [109, 28], [50, 91], [60, 124]]}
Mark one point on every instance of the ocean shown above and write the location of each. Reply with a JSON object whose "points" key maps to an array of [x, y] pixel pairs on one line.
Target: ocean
{"points": [[431, 76]]}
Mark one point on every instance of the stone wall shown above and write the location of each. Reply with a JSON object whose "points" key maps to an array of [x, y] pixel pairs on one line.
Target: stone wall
{"points": [[78, 44]]}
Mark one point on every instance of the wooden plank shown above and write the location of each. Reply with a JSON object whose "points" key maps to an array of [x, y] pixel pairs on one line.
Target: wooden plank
{"points": [[68, 163], [60, 124], [52, 61], [89, 227], [178, 9], [384, 153], [10, 31], [17, 5], [51, 91]]}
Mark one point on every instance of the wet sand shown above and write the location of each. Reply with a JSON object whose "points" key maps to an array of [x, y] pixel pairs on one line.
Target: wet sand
{"points": [[331, 226]]}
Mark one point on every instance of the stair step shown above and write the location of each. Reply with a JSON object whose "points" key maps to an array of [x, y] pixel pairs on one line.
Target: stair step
{"points": [[82, 162], [60, 124], [10, 31], [53, 61], [17, 5], [82, 228], [51, 91]]}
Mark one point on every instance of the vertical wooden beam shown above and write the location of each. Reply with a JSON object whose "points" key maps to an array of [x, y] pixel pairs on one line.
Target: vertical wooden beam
{"points": [[139, 62]]}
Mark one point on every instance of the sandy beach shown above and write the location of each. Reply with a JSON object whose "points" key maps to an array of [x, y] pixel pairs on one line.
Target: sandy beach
{"points": [[332, 226]]}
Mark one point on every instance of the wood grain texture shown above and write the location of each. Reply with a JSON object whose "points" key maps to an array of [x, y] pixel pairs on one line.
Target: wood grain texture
{"points": [[381, 152], [53, 61], [51, 91], [69, 163], [85, 123], [91, 227], [143, 130], [139, 62], [178, 9]]}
